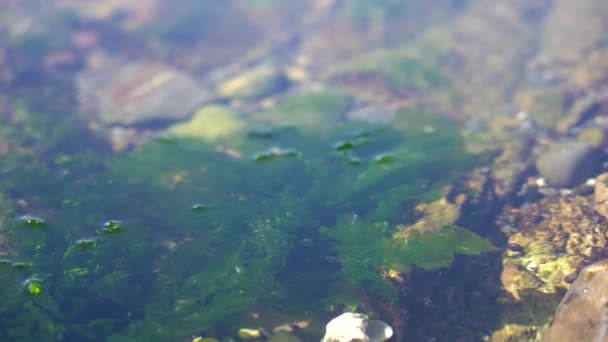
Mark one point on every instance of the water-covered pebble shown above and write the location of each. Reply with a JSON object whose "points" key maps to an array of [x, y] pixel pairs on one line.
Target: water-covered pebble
{"points": [[570, 163], [127, 93]]}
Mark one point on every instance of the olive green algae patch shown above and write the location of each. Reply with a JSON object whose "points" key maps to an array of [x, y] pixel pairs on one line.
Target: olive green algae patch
{"points": [[311, 110], [209, 123], [366, 249], [181, 236]]}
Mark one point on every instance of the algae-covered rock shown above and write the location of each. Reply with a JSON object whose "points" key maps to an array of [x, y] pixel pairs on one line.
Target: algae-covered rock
{"points": [[209, 123], [581, 316], [570, 163], [545, 107], [594, 136], [516, 333], [557, 236], [255, 83]]}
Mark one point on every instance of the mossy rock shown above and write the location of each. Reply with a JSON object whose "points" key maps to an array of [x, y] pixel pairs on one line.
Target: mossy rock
{"points": [[210, 124]]}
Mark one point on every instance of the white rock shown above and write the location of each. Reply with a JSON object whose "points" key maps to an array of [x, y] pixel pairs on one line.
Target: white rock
{"points": [[356, 327]]}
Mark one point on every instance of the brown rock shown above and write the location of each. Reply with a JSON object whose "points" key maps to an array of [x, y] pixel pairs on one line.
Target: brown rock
{"points": [[583, 312], [114, 91], [601, 194]]}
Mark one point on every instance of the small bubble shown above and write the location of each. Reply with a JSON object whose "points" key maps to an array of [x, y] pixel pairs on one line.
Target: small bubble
{"points": [[32, 221], [112, 226]]}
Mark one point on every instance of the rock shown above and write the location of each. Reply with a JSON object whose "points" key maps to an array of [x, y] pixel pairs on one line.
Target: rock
{"points": [[546, 106], [559, 235], [569, 164], [355, 327], [583, 313], [595, 136], [584, 108], [249, 334], [113, 91], [601, 195], [209, 123], [254, 84]]}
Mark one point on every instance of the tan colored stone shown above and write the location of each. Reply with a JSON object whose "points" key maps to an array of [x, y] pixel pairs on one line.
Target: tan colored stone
{"points": [[582, 314], [601, 194]]}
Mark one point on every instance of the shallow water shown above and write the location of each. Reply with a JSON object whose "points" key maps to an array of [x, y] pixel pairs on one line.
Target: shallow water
{"points": [[146, 196]]}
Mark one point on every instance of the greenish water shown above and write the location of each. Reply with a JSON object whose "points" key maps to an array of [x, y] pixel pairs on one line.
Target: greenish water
{"points": [[176, 238]]}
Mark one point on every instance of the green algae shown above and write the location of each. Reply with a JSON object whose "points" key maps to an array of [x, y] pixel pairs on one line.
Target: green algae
{"points": [[310, 110], [210, 123], [176, 273]]}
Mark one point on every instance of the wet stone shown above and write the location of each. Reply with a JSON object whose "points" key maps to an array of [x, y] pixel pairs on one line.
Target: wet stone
{"points": [[569, 164], [570, 278], [129, 93], [581, 316]]}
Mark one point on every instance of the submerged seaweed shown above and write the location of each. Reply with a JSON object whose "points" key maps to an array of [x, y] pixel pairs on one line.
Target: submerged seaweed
{"points": [[176, 268]]}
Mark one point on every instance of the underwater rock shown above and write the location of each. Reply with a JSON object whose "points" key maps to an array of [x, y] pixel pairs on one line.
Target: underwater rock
{"points": [[595, 136], [356, 327], [601, 195], [259, 82], [129, 93], [583, 313], [545, 106], [249, 334], [559, 234], [584, 108], [570, 163]]}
